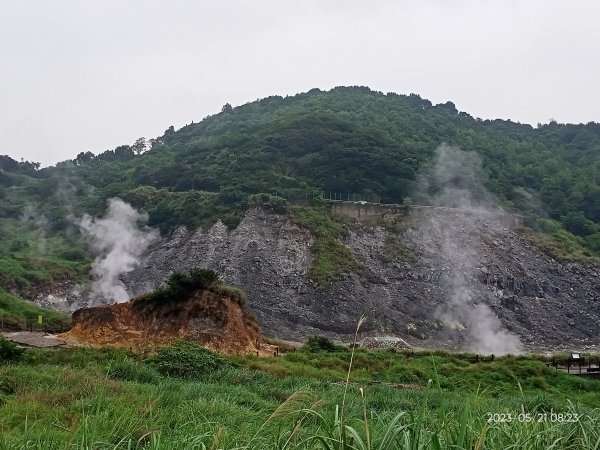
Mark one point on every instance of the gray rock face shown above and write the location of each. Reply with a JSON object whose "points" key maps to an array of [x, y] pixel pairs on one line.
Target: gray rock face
{"points": [[266, 255], [545, 303]]}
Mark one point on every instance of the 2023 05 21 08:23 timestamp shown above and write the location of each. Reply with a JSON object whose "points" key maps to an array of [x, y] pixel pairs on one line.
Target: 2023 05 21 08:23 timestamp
{"points": [[567, 417]]}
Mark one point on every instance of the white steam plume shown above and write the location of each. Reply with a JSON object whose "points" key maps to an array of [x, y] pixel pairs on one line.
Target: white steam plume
{"points": [[452, 238], [118, 242]]}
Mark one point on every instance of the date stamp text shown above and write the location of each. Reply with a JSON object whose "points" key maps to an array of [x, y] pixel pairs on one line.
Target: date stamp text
{"points": [[523, 417]]}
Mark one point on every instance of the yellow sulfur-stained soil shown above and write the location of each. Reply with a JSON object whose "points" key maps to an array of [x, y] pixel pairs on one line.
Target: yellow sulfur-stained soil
{"points": [[216, 321]]}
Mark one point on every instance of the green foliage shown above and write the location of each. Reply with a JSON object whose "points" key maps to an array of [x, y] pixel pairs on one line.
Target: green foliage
{"points": [[321, 344], [168, 209], [552, 239], [17, 314], [452, 372], [270, 203], [229, 291], [355, 140], [188, 360], [130, 369], [181, 285], [29, 256], [332, 257], [408, 201], [9, 351]]}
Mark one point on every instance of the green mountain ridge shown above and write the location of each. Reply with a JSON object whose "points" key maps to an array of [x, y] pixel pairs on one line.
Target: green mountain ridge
{"points": [[348, 140]]}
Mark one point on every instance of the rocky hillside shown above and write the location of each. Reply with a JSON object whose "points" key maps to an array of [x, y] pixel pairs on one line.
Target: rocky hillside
{"points": [[444, 279], [546, 304], [217, 321]]}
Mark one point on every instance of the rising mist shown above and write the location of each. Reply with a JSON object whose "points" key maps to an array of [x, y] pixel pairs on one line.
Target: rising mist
{"points": [[118, 239], [455, 181]]}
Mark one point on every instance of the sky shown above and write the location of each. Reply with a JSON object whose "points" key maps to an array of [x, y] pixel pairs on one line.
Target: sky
{"points": [[92, 75]]}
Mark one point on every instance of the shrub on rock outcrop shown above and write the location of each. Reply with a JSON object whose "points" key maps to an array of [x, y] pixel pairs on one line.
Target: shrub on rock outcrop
{"points": [[181, 285], [270, 203]]}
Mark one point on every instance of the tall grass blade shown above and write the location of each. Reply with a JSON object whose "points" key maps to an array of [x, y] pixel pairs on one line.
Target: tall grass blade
{"points": [[462, 432], [357, 441], [342, 429], [392, 430]]}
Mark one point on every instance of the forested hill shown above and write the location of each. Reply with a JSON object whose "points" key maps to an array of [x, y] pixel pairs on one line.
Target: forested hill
{"points": [[347, 140], [354, 140]]}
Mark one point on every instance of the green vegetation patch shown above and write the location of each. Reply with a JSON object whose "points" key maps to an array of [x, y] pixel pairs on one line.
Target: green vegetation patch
{"points": [[394, 250], [550, 238], [270, 203], [229, 291], [317, 344], [180, 286], [508, 375], [188, 360], [30, 257], [9, 351], [195, 208], [332, 257], [88, 398], [17, 314]]}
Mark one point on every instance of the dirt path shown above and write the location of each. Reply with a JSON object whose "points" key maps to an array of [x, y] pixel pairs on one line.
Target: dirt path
{"points": [[34, 339]]}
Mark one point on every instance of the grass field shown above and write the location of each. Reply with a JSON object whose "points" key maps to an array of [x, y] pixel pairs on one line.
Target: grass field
{"points": [[185, 398]]}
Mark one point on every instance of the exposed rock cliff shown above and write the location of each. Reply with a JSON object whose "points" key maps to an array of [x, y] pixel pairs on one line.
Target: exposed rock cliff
{"points": [[220, 322], [546, 303]]}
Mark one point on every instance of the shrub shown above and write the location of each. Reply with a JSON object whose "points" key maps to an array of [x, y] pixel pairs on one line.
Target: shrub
{"points": [[230, 291], [320, 344], [231, 220], [9, 351], [188, 360], [8, 386], [270, 203], [195, 279], [181, 285]]}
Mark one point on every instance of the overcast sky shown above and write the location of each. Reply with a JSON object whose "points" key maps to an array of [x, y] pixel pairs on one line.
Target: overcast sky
{"points": [[91, 75]]}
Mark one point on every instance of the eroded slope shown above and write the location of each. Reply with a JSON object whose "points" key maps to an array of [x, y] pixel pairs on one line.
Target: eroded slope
{"points": [[546, 303], [217, 321]]}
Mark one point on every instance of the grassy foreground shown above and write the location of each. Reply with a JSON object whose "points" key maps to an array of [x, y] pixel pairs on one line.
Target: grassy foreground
{"points": [[187, 398]]}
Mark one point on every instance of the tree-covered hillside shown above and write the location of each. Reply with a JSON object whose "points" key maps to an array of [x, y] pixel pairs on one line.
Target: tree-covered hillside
{"points": [[348, 140]]}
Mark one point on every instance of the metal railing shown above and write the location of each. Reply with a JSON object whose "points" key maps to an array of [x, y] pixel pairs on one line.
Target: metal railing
{"points": [[329, 196]]}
